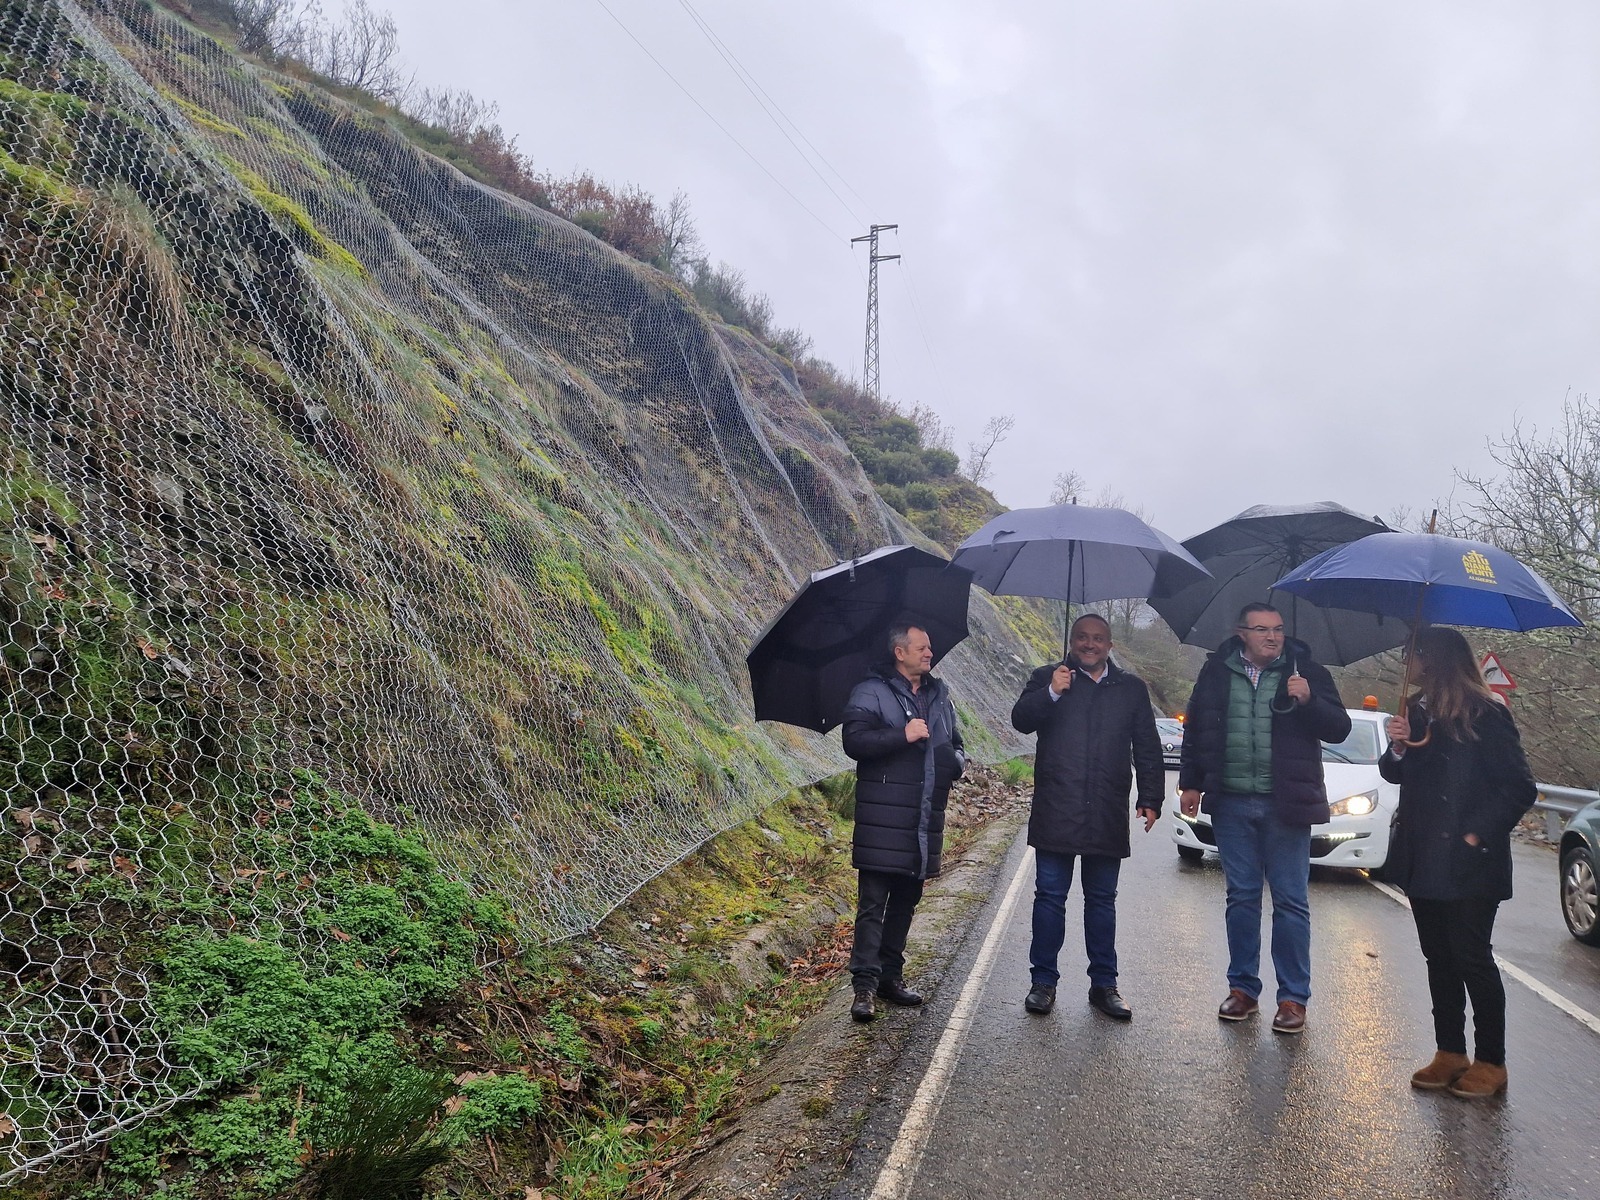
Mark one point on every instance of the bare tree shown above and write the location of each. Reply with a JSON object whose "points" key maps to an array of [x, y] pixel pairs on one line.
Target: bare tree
{"points": [[1544, 507], [793, 344], [1403, 516], [455, 110], [357, 51], [680, 240], [994, 432], [262, 23], [936, 435], [360, 51], [1068, 486]]}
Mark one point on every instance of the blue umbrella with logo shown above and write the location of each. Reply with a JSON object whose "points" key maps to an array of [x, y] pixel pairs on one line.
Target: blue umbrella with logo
{"points": [[1432, 579], [1429, 579]]}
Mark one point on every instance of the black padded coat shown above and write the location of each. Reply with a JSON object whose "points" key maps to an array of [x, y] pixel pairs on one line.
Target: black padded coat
{"points": [[1092, 743], [901, 786], [1300, 797]]}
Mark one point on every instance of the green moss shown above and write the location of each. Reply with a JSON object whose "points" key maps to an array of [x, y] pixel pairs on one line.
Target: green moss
{"points": [[61, 104], [296, 217], [37, 186], [22, 488], [981, 743], [287, 146]]}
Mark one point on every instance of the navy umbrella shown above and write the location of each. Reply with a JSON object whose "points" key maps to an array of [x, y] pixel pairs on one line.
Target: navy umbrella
{"points": [[1430, 578], [1077, 554], [1246, 556], [834, 631]]}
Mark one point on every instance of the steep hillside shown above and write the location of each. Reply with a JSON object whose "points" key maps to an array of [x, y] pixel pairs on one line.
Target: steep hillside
{"points": [[342, 494]]}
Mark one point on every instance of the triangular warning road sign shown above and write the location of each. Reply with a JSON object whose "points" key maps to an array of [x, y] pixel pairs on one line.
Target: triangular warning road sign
{"points": [[1495, 675]]}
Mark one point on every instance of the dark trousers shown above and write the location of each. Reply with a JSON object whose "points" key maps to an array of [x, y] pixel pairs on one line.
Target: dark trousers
{"points": [[884, 904], [1052, 881], [1455, 937]]}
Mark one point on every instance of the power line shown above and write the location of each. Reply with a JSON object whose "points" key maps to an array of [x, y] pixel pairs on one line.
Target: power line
{"points": [[712, 118], [916, 312], [774, 110], [803, 137]]}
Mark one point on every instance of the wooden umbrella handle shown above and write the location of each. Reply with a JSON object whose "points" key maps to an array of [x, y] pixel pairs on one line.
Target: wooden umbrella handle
{"points": [[1427, 736]]}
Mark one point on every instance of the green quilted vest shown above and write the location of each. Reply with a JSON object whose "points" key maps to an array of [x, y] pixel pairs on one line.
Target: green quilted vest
{"points": [[1247, 762]]}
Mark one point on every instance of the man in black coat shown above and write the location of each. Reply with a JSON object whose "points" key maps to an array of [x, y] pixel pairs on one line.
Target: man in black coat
{"points": [[900, 727], [1252, 752], [1096, 730]]}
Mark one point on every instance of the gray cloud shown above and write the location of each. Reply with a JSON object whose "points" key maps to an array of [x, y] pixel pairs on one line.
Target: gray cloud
{"points": [[1209, 255]]}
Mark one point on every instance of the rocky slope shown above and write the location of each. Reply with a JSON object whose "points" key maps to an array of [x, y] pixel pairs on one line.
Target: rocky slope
{"points": [[339, 487]]}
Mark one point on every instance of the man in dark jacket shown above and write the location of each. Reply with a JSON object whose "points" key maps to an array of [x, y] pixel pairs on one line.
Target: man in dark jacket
{"points": [[900, 727], [1096, 729], [1251, 748]]}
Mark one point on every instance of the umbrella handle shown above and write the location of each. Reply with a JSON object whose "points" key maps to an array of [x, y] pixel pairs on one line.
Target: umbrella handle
{"points": [[1410, 655], [1427, 736]]}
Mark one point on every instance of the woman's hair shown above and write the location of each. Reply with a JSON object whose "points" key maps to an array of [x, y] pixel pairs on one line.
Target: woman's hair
{"points": [[1455, 688]]}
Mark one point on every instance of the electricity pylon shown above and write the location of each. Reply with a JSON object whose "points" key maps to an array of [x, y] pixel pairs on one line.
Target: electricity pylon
{"points": [[869, 360]]}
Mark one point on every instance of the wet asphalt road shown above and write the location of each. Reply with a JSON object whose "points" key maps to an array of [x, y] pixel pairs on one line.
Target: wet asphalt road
{"points": [[1179, 1104]]}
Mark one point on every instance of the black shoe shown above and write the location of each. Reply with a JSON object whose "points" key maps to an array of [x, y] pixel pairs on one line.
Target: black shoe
{"points": [[863, 1009], [895, 991], [1041, 999], [1110, 1001]]}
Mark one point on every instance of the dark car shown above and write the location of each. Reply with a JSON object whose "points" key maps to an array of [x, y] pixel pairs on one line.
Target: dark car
{"points": [[1580, 854], [1171, 734]]}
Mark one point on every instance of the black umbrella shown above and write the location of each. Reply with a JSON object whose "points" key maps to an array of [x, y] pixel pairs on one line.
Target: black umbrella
{"points": [[1248, 554], [1076, 554], [835, 628]]}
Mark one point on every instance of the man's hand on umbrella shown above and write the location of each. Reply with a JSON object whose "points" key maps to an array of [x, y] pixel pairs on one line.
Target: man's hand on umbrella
{"points": [[1299, 689], [916, 729], [1061, 679], [1149, 816]]}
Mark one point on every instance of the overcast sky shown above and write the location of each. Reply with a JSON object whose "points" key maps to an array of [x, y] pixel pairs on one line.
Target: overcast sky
{"points": [[1208, 254]]}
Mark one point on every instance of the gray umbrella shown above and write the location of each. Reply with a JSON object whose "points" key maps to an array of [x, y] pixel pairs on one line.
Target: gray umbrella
{"points": [[1248, 554], [1077, 554]]}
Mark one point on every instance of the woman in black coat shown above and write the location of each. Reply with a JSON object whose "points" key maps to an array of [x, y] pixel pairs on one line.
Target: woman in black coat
{"points": [[1462, 791]]}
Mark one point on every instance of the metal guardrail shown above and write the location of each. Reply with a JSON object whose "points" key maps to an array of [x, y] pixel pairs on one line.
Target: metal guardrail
{"points": [[1559, 803]]}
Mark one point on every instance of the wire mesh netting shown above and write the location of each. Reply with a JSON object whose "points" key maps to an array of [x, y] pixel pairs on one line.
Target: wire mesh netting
{"points": [[335, 480]]}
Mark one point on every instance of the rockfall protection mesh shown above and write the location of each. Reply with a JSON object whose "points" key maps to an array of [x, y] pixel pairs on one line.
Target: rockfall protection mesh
{"points": [[329, 472]]}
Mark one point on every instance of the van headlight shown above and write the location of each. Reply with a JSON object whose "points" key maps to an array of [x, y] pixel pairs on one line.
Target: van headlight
{"points": [[1358, 805]]}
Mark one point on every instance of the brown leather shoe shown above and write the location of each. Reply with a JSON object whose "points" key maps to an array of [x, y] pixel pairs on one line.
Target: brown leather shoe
{"points": [[1291, 1018], [1445, 1069], [1238, 1006], [1480, 1081]]}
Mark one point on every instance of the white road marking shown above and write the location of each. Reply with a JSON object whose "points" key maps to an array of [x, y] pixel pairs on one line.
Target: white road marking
{"points": [[900, 1168], [1543, 991]]}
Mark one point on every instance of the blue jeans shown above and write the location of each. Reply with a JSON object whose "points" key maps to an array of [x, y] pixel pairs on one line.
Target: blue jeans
{"points": [[1052, 882], [1255, 846]]}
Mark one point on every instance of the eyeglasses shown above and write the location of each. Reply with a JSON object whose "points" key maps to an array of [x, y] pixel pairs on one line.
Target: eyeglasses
{"points": [[1275, 630]]}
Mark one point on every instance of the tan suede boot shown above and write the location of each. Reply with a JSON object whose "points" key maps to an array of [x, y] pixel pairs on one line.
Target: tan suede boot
{"points": [[1480, 1081], [1444, 1070]]}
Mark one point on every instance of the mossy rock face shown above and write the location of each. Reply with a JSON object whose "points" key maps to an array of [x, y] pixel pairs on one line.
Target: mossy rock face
{"points": [[331, 473]]}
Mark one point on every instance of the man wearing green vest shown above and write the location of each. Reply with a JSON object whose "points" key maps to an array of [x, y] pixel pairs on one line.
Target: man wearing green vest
{"points": [[1252, 755]]}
